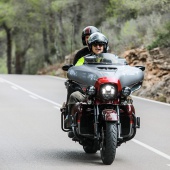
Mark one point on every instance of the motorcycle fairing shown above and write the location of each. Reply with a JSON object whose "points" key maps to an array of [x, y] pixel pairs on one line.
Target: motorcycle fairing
{"points": [[89, 73]]}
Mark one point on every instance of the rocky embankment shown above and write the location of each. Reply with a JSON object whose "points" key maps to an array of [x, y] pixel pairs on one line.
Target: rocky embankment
{"points": [[156, 83]]}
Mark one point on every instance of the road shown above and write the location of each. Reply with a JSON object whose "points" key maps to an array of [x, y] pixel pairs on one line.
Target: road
{"points": [[31, 137]]}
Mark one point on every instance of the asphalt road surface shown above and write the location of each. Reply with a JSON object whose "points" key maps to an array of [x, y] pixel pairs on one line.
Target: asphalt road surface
{"points": [[31, 137]]}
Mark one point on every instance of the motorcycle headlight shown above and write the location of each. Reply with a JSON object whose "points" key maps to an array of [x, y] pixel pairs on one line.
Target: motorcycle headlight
{"points": [[108, 91]]}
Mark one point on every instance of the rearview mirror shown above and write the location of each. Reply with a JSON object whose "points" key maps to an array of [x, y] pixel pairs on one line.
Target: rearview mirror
{"points": [[141, 67], [66, 67]]}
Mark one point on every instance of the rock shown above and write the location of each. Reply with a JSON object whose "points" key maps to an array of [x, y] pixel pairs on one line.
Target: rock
{"points": [[156, 83]]}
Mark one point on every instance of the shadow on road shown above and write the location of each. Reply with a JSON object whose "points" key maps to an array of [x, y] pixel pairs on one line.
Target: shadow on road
{"points": [[68, 156]]}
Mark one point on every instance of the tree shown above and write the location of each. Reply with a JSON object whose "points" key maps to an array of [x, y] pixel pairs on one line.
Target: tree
{"points": [[6, 15]]}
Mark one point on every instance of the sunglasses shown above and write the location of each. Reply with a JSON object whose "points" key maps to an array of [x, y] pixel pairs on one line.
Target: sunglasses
{"points": [[97, 44]]}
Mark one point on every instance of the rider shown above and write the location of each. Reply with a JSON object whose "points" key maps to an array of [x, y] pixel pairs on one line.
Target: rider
{"points": [[97, 43], [87, 31]]}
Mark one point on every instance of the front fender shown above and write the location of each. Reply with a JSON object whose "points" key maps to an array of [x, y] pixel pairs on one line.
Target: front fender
{"points": [[110, 115]]}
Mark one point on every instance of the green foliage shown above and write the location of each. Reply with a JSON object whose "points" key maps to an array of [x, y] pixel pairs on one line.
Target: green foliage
{"points": [[52, 28], [163, 38], [136, 23], [7, 12], [2, 34], [134, 8], [121, 10], [58, 6], [3, 68], [127, 9], [129, 34]]}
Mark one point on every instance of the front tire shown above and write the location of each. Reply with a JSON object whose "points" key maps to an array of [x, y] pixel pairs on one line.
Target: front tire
{"points": [[109, 143]]}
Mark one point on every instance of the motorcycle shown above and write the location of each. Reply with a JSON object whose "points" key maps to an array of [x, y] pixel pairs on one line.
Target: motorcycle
{"points": [[106, 118]]}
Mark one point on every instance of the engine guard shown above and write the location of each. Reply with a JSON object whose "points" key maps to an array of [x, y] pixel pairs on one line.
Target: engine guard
{"points": [[110, 115]]}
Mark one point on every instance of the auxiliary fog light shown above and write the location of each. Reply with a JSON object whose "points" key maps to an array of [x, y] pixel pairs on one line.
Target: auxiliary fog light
{"points": [[91, 90], [126, 91]]}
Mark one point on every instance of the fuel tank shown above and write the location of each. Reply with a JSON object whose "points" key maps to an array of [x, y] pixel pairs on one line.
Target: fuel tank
{"points": [[88, 74]]}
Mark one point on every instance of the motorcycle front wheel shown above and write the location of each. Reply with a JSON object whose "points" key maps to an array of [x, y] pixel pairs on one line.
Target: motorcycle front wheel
{"points": [[109, 143]]}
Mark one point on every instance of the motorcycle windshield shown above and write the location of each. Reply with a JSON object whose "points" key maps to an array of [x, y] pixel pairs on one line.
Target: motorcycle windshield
{"points": [[105, 59]]}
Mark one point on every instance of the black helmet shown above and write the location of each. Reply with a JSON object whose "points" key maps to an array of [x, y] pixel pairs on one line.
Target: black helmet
{"points": [[88, 31], [98, 38]]}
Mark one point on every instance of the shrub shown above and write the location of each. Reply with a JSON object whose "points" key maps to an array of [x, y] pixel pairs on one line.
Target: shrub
{"points": [[163, 38]]}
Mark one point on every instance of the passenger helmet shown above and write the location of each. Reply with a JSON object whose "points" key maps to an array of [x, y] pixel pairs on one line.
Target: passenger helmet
{"points": [[88, 31], [98, 38]]}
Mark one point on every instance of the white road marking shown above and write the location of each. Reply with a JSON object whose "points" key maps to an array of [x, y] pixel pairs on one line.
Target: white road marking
{"points": [[152, 149], [31, 93], [1, 80], [57, 105], [34, 97], [168, 164], [167, 104], [59, 78], [14, 87]]}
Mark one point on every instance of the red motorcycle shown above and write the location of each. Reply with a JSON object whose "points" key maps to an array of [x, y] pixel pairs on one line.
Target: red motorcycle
{"points": [[106, 119]]}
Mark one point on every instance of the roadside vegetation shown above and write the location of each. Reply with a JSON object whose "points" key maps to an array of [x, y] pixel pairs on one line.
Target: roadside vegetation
{"points": [[38, 33]]}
